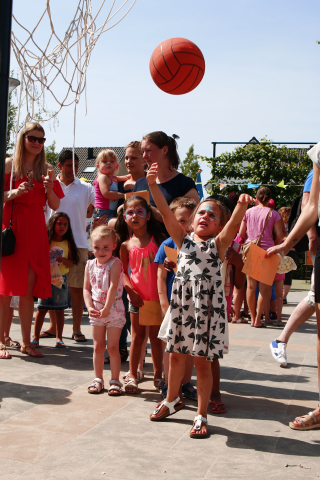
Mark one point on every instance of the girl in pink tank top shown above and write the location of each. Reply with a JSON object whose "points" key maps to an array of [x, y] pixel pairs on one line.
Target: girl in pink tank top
{"points": [[139, 251]]}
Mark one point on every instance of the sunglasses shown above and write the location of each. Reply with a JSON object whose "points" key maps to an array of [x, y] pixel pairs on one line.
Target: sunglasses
{"points": [[33, 139]]}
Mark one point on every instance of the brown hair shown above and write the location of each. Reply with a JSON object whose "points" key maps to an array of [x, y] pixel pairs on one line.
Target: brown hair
{"points": [[134, 144], [103, 231], [223, 213], [183, 202], [284, 212], [263, 195], [40, 166], [161, 139]]}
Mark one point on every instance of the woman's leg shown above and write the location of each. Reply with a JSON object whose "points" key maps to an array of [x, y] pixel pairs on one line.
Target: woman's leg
{"points": [[286, 290], [59, 314], [264, 295], [137, 339], [38, 322], [5, 315], [113, 336], [238, 297], [156, 351], [251, 298], [99, 345], [26, 307], [279, 295], [176, 371]]}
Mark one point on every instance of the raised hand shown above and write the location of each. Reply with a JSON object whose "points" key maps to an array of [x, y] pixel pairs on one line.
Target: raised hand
{"points": [[245, 198], [152, 174]]}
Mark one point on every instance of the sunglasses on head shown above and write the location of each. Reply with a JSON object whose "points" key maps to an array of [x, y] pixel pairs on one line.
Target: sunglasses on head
{"points": [[33, 139]]}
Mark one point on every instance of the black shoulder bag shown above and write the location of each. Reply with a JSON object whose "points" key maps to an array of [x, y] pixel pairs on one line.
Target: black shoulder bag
{"points": [[8, 238]]}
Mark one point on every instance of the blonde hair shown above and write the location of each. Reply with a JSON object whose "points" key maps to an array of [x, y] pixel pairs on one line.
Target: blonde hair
{"points": [[40, 167], [105, 154], [183, 202], [103, 231], [284, 212]]}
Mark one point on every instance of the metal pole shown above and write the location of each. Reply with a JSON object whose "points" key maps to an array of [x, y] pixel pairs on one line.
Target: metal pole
{"points": [[214, 149], [5, 40]]}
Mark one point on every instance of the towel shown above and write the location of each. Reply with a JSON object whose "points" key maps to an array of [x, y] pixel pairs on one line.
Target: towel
{"points": [[314, 154]]}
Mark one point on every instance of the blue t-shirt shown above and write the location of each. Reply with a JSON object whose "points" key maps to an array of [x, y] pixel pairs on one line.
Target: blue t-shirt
{"points": [[308, 181], [178, 186], [160, 258]]}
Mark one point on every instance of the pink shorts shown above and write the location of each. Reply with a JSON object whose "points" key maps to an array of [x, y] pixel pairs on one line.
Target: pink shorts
{"points": [[116, 317], [279, 276]]}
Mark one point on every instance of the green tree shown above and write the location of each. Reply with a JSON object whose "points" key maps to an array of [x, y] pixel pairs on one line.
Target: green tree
{"points": [[262, 164], [52, 156], [12, 114], [190, 165]]}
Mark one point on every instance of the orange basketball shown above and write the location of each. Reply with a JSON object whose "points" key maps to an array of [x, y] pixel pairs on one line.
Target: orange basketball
{"points": [[177, 66]]}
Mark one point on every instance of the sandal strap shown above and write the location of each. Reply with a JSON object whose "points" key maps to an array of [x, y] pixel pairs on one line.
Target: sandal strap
{"points": [[314, 418], [2, 346], [199, 419], [115, 383], [96, 382], [169, 405]]}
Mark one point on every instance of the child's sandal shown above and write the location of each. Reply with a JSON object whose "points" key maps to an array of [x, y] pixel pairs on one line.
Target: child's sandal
{"points": [[140, 376], [189, 391], [115, 388], [158, 383], [96, 386], [164, 409], [132, 386], [198, 423]]}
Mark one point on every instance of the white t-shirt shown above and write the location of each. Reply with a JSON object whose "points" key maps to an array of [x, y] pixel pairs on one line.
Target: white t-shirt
{"points": [[78, 196]]}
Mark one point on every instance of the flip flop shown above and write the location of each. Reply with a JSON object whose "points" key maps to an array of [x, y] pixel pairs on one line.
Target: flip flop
{"points": [[80, 337], [46, 334], [213, 407], [60, 345]]}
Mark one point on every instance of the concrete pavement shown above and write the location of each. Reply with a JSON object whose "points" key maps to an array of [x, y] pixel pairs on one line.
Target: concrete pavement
{"points": [[51, 428]]}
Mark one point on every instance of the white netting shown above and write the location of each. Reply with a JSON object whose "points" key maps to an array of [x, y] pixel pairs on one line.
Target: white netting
{"points": [[65, 60]]}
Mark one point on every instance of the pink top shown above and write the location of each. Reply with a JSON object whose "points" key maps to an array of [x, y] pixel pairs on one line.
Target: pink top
{"points": [[255, 218], [100, 280], [144, 271], [100, 201]]}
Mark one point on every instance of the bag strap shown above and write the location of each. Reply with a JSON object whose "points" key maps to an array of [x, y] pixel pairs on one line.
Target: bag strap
{"points": [[264, 227], [13, 184]]}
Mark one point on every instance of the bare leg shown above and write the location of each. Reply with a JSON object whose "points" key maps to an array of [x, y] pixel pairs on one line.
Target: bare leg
{"points": [[99, 344], [38, 322], [238, 297], [188, 369], [143, 348], [53, 326], [204, 385], [176, 371], [251, 298], [7, 323], [5, 314], [299, 316], [77, 303], [26, 307], [137, 339], [215, 372], [113, 337], [286, 290], [165, 362], [156, 351], [264, 295], [279, 295], [59, 314]]}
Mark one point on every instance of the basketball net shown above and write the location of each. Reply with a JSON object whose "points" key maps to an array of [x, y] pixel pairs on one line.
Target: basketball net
{"points": [[65, 59]]}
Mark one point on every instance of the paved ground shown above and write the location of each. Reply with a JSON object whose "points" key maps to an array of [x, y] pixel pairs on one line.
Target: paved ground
{"points": [[51, 428]]}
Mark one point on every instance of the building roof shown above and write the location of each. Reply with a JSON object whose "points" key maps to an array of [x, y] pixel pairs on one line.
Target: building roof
{"points": [[87, 161]]}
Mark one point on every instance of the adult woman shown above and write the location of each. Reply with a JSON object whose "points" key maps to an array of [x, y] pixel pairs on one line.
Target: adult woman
{"points": [[251, 227], [306, 220], [26, 273], [158, 148]]}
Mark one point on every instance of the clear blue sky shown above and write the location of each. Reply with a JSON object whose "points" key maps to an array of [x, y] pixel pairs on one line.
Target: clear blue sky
{"points": [[261, 79]]}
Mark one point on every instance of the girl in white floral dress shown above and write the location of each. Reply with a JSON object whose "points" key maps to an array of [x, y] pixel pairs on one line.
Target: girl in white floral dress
{"points": [[197, 316], [102, 291]]}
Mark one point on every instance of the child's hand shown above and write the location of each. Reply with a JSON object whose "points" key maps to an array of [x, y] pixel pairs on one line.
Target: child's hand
{"points": [[93, 312], [100, 221], [245, 198], [152, 174], [233, 257], [168, 265], [60, 259], [135, 299], [104, 312]]}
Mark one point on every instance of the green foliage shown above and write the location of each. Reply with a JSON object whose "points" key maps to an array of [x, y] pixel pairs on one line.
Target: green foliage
{"points": [[51, 155], [12, 114], [263, 164], [190, 165]]}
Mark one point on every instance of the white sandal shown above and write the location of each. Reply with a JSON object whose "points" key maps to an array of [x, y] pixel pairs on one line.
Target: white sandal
{"points": [[304, 425], [140, 376], [98, 384], [171, 407], [197, 424], [132, 384], [115, 386]]}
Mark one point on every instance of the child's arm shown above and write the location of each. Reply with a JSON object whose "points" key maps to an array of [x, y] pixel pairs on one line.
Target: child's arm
{"points": [[174, 228], [68, 262], [162, 288], [307, 219], [104, 185], [115, 272], [87, 295], [226, 236], [135, 298], [237, 264]]}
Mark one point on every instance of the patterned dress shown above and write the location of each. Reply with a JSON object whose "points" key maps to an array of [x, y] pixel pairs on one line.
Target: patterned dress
{"points": [[100, 283], [197, 308]]}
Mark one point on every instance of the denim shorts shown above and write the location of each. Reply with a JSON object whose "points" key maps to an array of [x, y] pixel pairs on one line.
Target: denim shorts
{"points": [[132, 308], [59, 299], [101, 211]]}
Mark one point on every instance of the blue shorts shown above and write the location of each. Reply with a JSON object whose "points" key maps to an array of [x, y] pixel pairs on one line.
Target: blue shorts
{"points": [[273, 294], [59, 299], [101, 211]]}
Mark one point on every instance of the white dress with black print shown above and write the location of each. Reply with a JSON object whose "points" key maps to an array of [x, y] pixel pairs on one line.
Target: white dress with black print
{"points": [[197, 308]]}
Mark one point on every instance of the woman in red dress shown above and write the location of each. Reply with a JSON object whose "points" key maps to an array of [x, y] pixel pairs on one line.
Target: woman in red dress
{"points": [[26, 273]]}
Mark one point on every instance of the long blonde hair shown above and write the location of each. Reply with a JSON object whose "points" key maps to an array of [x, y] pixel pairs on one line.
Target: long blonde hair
{"points": [[40, 167]]}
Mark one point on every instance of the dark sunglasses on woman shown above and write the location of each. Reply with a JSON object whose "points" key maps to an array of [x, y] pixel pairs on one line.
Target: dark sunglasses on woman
{"points": [[33, 139]]}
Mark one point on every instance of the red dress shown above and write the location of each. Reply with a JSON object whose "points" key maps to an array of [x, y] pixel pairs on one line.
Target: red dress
{"points": [[32, 245]]}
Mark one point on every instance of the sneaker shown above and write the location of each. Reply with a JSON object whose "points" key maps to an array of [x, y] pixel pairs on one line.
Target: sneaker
{"points": [[279, 353]]}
